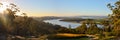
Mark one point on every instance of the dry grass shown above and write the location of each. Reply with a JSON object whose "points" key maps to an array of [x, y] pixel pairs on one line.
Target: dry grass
{"points": [[70, 35]]}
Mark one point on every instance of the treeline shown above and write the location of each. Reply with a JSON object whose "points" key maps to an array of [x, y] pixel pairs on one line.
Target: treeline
{"points": [[26, 26], [73, 19], [29, 26], [45, 18], [79, 20], [87, 27]]}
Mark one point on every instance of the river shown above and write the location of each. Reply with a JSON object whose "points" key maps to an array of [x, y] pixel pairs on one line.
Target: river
{"points": [[65, 24]]}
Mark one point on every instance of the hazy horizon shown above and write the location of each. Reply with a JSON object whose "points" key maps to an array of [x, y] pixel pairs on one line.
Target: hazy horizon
{"points": [[40, 8]]}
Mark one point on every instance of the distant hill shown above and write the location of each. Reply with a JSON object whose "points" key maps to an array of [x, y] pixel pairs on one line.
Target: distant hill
{"points": [[45, 18], [87, 17], [93, 17], [75, 17]]}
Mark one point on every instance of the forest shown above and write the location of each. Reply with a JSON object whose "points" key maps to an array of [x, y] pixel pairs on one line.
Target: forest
{"points": [[15, 27]]}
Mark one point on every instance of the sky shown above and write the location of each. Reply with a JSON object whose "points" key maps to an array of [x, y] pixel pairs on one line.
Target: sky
{"points": [[40, 8]]}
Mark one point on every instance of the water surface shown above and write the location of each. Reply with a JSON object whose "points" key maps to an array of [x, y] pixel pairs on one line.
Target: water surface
{"points": [[65, 24], [62, 23]]}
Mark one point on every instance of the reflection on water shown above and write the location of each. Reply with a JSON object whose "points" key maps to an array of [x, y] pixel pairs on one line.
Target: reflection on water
{"points": [[62, 23], [65, 24]]}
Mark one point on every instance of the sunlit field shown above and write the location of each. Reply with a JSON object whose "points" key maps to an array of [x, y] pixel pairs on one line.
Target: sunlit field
{"points": [[59, 20]]}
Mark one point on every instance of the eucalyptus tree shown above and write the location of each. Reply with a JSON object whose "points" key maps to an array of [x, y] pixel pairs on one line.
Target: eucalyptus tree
{"points": [[115, 17], [82, 28]]}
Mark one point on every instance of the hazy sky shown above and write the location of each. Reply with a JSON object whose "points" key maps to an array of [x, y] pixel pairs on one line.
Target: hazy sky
{"points": [[64, 7]]}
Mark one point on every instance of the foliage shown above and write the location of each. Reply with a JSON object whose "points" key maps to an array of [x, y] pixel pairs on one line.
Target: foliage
{"points": [[115, 17], [21, 25], [82, 29]]}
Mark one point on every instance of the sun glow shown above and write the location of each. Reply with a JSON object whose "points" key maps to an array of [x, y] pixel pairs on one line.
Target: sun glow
{"points": [[8, 11], [3, 6]]}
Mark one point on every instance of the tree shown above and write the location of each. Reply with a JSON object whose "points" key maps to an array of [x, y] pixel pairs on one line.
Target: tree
{"points": [[107, 27], [63, 30], [8, 15], [115, 17], [82, 29], [93, 29]]}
